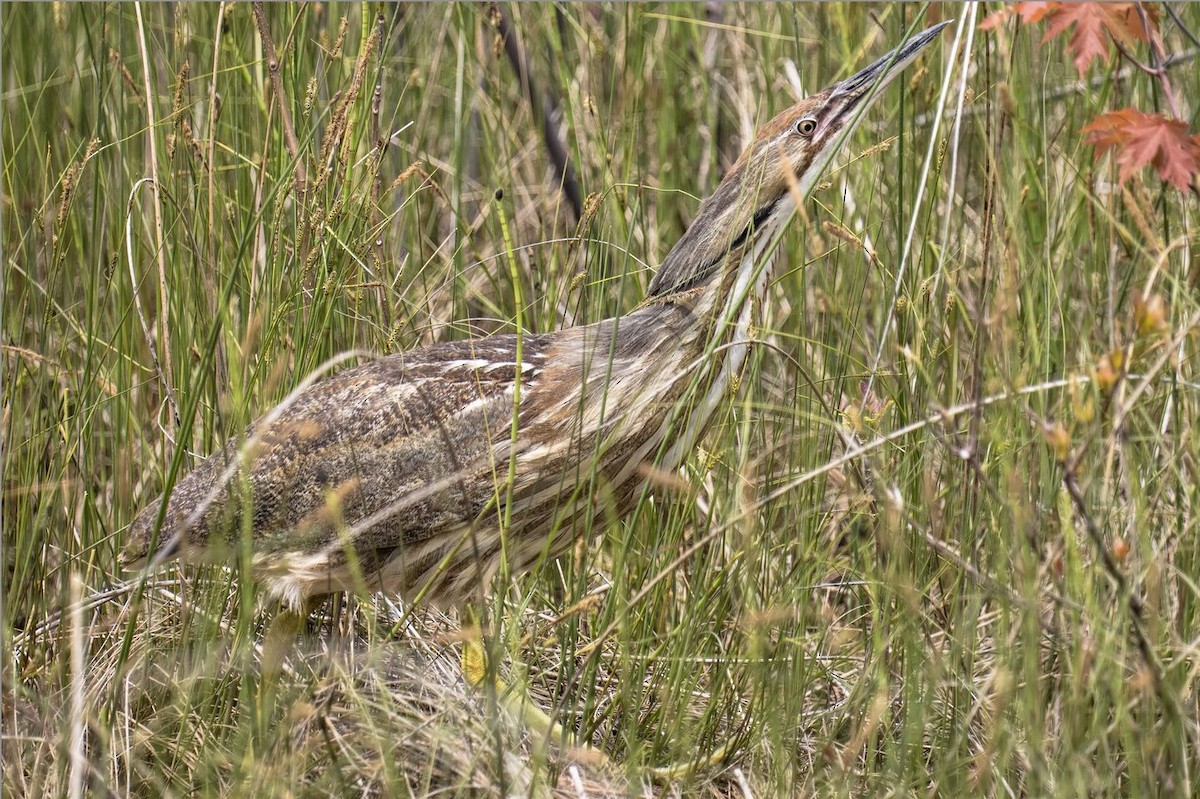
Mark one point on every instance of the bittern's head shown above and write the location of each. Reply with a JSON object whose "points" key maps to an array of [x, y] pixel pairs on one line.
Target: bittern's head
{"points": [[783, 162]]}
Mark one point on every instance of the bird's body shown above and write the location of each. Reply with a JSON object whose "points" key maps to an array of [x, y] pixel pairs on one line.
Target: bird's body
{"points": [[420, 472], [407, 457]]}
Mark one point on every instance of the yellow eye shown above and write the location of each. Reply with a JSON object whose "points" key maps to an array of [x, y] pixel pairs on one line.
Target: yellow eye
{"points": [[806, 126]]}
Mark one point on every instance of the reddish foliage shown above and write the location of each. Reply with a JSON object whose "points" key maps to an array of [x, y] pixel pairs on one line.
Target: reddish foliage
{"points": [[1094, 25], [1092, 21], [1028, 12], [1035, 12], [994, 20], [1139, 140]]}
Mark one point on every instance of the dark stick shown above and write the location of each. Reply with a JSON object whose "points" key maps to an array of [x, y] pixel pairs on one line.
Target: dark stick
{"points": [[542, 106], [285, 114], [1133, 600]]}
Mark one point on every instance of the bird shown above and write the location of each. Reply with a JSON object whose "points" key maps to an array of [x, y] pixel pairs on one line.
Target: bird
{"points": [[421, 473]]}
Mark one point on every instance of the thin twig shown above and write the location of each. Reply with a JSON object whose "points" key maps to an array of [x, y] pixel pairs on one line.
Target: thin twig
{"points": [[1137, 608], [710, 133], [135, 285], [1159, 54], [970, 457], [289, 131], [380, 142], [220, 358], [165, 370], [1154, 72], [1191, 37], [285, 113], [992, 161], [542, 106], [213, 133], [78, 741]]}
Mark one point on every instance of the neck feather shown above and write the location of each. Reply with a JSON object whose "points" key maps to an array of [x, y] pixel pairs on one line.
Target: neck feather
{"points": [[745, 205]]}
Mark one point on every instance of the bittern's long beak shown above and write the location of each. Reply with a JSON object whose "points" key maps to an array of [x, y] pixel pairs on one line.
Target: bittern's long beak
{"points": [[757, 196], [870, 80], [845, 103]]}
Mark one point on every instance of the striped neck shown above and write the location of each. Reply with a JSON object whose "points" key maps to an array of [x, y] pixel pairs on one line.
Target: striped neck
{"points": [[744, 208]]}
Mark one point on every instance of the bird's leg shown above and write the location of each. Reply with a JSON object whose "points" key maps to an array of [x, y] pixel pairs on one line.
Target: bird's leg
{"points": [[685, 768], [474, 656], [480, 676], [281, 637]]}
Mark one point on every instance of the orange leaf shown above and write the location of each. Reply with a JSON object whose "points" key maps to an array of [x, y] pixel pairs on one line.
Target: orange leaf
{"points": [[1028, 12], [1139, 139], [994, 20], [1094, 24], [1107, 130], [1035, 12]]}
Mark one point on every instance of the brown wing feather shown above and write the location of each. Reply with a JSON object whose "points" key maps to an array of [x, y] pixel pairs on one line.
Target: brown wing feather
{"points": [[351, 446]]}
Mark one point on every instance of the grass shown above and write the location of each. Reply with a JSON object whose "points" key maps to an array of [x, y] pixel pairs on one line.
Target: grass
{"points": [[900, 591]]}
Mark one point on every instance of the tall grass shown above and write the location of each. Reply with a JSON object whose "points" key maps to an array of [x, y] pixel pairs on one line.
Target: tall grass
{"points": [[883, 573]]}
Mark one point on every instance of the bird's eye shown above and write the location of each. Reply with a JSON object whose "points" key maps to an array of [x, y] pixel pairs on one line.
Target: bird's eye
{"points": [[806, 126]]}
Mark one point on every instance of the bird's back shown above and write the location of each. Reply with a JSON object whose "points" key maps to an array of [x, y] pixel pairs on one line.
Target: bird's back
{"points": [[394, 475], [384, 456]]}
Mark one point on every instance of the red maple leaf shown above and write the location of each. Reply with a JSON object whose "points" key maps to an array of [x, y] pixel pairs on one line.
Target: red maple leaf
{"points": [[1093, 26], [1139, 140], [1028, 12], [1034, 12]]}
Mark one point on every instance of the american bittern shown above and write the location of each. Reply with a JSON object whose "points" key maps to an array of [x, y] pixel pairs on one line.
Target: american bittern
{"points": [[417, 473]]}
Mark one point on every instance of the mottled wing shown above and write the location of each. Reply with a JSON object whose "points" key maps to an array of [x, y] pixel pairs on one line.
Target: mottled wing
{"points": [[385, 452]]}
